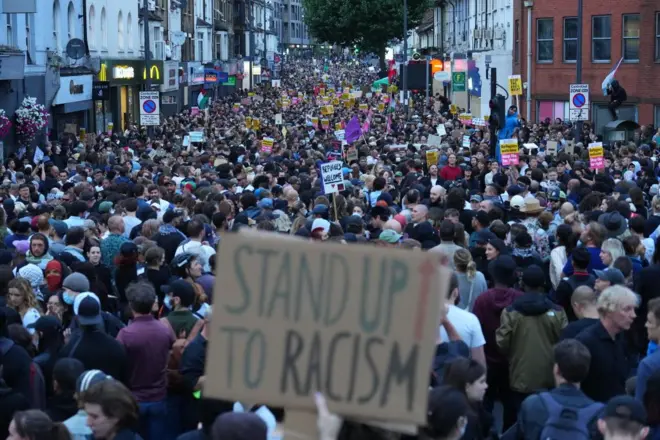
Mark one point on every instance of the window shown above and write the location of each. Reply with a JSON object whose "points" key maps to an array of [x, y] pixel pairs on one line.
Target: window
{"points": [[200, 46], [28, 39], [630, 44], [601, 39], [570, 39], [120, 31], [71, 21], [516, 49], [129, 31], [544, 36], [657, 36], [56, 25], [91, 28], [10, 30], [141, 30], [104, 30]]}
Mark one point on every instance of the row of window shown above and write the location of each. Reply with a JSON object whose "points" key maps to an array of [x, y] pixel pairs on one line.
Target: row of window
{"points": [[601, 39], [11, 25], [99, 40]]}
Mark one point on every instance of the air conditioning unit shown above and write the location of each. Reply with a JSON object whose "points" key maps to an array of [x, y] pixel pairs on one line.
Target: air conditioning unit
{"points": [[159, 53], [477, 34], [488, 34]]}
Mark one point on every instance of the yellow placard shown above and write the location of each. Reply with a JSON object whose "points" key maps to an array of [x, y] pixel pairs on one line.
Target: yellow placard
{"points": [[335, 101], [322, 91], [256, 124], [329, 110], [432, 157], [315, 120], [381, 106], [345, 96], [515, 85], [331, 91], [325, 123], [509, 148], [248, 122], [364, 107], [338, 126], [453, 108], [596, 152], [251, 94]]}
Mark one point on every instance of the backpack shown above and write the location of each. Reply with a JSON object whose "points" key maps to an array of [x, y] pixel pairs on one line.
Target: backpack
{"points": [[174, 377], [566, 423], [37, 397]]}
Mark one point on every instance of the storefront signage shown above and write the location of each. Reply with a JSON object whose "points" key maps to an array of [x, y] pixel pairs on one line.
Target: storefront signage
{"points": [[130, 72], [101, 90], [210, 76], [231, 81], [170, 76], [74, 89], [195, 73]]}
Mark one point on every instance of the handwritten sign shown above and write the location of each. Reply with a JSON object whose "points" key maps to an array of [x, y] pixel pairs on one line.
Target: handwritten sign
{"points": [[596, 156], [432, 157], [434, 140], [196, 136], [441, 130], [509, 152], [236, 107], [356, 323], [515, 85], [325, 123], [466, 141], [332, 177], [364, 107], [551, 148]]}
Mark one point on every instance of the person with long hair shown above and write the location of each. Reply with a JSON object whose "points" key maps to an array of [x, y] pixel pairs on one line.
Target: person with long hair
{"points": [[188, 268], [566, 242], [471, 282], [469, 377], [126, 264], [22, 299], [36, 425], [49, 340], [112, 412], [103, 272], [610, 250]]}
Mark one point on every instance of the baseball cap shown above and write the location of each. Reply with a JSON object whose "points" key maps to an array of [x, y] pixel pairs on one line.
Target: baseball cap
{"points": [[87, 307], [533, 276], [46, 324], [612, 274], [89, 378], [170, 215], [390, 236], [76, 282], [485, 236], [517, 202], [625, 408], [320, 223], [476, 198], [320, 209]]}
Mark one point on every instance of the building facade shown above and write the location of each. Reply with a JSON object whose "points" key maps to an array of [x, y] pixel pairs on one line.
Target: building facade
{"points": [[611, 30]]}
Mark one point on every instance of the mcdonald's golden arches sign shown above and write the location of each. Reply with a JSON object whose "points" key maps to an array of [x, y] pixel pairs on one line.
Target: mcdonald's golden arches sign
{"points": [[130, 72]]}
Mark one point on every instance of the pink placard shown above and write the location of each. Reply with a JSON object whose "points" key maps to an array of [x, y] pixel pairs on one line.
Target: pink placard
{"points": [[597, 163], [510, 159]]}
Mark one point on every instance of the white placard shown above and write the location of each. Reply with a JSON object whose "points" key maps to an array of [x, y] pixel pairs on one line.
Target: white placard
{"points": [[149, 108], [196, 136], [340, 134], [333, 180], [442, 131], [466, 141], [278, 119], [434, 140]]}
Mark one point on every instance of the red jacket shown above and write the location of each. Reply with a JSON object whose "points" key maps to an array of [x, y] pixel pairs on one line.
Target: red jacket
{"points": [[449, 172]]}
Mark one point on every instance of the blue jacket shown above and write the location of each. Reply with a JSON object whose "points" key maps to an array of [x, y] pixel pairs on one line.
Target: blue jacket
{"points": [[649, 365], [510, 124]]}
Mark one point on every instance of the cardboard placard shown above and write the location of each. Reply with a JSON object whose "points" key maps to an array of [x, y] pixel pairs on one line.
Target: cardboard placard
{"points": [[509, 151], [434, 140], [293, 317], [278, 119], [551, 148], [570, 147], [441, 130], [432, 157], [332, 176], [351, 154], [596, 156], [267, 144]]}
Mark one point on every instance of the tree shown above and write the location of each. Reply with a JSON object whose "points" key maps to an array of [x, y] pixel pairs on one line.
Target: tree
{"points": [[370, 24]]}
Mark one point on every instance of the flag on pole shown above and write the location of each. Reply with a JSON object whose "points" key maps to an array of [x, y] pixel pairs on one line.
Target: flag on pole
{"points": [[610, 77], [353, 130], [202, 99]]}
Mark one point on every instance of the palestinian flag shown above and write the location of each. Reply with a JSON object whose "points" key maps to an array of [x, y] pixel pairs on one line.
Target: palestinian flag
{"points": [[202, 99]]}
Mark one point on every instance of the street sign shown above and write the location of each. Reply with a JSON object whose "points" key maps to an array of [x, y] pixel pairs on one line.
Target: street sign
{"points": [[149, 108], [101, 90], [579, 102], [458, 81]]}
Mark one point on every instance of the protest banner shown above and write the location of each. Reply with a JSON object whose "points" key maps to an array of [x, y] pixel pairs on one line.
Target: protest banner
{"points": [[479, 122], [236, 107], [292, 317], [466, 141], [278, 119], [596, 156], [256, 124], [322, 91], [465, 118], [434, 140], [267, 144], [364, 107], [244, 101], [286, 104], [551, 148], [339, 125], [381, 106], [351, 154], [515, 85], [325, 123], [194, 111], [340, 134], [509, 152], [432, 157], [332, 177], [315, 122], [196, 136], [329, 110], [570, 147], [441, 130], [251, 94]]}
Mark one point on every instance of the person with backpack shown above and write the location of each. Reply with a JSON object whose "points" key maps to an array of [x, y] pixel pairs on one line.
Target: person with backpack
{"points": [[565, 412], [147, 343]]}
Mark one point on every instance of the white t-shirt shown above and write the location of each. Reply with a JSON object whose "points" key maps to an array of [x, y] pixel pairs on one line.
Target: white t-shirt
{"points": [[467, 325]]}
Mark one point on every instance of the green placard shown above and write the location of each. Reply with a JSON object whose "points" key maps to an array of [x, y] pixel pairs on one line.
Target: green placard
{"points": [[231, 81], [458, 81]]}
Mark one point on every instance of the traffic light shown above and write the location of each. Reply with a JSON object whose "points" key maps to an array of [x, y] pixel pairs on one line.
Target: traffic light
{"points": [[497, 113]]}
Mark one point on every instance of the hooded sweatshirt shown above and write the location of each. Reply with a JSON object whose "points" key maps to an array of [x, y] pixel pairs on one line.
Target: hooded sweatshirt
{"points": [[488, 308]]}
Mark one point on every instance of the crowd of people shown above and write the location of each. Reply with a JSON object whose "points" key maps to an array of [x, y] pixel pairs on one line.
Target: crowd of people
{"points": [[108, 253]]}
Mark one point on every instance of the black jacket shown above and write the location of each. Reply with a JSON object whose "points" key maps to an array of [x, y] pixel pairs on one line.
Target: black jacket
{"points": [[11, 401], [566, 288], [61, 407], [646, 283], [100, 351]]}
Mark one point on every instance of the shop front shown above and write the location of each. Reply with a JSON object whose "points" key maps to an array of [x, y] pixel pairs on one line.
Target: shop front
{"points": [[169, 91], [126, 78], [195, 72], [72, 105]]}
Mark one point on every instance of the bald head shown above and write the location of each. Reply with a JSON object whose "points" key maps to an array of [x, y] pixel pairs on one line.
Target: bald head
{"points": [[116, 224], [566, 209], [437, 192], [394, 225]]}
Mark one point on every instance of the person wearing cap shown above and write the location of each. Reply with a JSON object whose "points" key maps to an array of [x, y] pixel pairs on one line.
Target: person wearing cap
{"points": [[389, 238], [147, 343], [196, 245], [529, 328], [606, 340], [608, 277], [475, 201], [480, 222], [92, 346], [570, 367], [77, 424], [532, 208], [73, 285], [624, 418]]}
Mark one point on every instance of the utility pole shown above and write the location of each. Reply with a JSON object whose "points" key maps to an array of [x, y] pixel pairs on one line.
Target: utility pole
{"points": [[578, 64], [251, 29], [265, 57], [147, 55], [405, 55]]}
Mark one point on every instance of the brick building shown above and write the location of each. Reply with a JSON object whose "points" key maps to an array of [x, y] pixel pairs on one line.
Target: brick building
{"points": [[611, 30]]}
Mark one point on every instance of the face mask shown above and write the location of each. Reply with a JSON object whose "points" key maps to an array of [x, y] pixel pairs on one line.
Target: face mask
{"points": [[168, 302], [357, 214], [463, 429], [68, 299]]}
